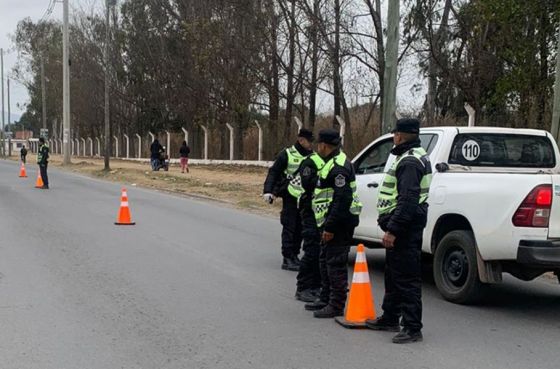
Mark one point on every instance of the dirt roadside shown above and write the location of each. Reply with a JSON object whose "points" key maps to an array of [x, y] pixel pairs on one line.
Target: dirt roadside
{"points": [[237, 186]]}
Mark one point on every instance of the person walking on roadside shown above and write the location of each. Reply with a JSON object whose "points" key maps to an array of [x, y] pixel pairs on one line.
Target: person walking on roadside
{"points": [[155, 150], [337, 209], [43, 161], [276, 185], [403, 212], [23, 154], [184, 152]]}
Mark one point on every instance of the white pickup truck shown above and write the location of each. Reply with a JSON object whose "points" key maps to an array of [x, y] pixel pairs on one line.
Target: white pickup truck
{"points": [[494, 205]]}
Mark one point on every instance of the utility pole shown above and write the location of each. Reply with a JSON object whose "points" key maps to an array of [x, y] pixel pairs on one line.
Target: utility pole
{"points": [[556, 109], [43, 93], [2, 80], [65, 86], [391, 61], [9, 121], [108, 5]]}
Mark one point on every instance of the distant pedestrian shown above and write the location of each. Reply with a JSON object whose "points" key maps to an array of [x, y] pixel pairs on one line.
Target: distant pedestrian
{"points": [[43, 161], [184, 152], [155, 150], [23, 154]]}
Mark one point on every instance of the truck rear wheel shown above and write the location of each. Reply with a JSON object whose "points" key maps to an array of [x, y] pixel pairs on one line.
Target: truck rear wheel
{"points": [[455, 268]]}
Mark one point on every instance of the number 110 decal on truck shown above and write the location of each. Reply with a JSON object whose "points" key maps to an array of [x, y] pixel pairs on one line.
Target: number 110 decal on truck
{"points": [[494, 205]]}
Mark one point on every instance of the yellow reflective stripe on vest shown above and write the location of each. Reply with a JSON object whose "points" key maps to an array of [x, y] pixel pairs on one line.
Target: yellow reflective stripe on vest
{"points": [[323, 197], [294, 161], [388, 192], [295, 187]]}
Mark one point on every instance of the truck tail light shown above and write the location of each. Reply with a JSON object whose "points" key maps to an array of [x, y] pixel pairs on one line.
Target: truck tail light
{"points": [[534, 211]]}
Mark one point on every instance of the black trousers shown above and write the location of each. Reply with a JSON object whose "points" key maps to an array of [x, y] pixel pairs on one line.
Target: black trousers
{"points": [[333, 262], [309, 276], [291, 227], [44, 176], [403, 280]]}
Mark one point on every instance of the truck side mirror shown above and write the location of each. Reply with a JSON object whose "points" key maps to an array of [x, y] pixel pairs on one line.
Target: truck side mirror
{"points": [[442, 167]]}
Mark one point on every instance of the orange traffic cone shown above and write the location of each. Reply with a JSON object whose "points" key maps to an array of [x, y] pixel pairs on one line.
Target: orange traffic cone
{"points": [[360, 302], [124, 212], [39, 182], [22, 172]]}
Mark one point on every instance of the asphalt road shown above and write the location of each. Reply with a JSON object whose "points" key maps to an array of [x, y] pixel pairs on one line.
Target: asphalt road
{"points": [[198, 285]]}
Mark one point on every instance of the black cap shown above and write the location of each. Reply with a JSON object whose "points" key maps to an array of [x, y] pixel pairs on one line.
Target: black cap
{"points": [[307, 134], [407, 125], [329, 136]]}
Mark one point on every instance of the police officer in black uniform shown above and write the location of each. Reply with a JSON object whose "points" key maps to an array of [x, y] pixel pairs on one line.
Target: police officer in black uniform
{"points": [[43, 162], [336, 207], [276, 185], [309, 276], [403, 210]]}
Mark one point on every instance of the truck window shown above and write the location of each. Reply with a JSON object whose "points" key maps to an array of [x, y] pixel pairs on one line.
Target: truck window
{"points": [[375, 160], [502, 150]]}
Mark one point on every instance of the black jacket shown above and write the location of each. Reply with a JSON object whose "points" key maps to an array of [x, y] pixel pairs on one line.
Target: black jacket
{"points": [[309, 176], [339, 180], [44, 150], [276, 182], [155, 150], [408, 214], [23, 152], [184, 151]]}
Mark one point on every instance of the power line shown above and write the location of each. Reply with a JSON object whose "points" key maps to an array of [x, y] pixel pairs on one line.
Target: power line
{"points": [[49, 11]]}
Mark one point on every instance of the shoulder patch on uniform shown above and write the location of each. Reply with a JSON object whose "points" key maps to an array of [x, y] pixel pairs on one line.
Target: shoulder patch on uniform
{"points": [[306, 171], [340, 181]]}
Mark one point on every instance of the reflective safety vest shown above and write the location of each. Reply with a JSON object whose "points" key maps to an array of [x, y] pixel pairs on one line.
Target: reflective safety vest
{"points": [[323, 196], [294, 161], [388, 192], [295, 188], [40, 153]]}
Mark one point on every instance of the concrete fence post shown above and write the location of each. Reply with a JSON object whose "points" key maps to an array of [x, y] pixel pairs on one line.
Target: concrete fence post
{"points": [[231, 141], [205, 141], [116, 146], [186, 134], [83, 146], [260, 140], [168, 144], [472, 114], [342, 128], [139, 145], [127, 146], [90, 146], [98, 146]]}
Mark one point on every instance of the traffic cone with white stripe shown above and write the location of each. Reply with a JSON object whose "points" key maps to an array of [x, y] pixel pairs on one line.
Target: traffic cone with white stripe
{"points": [[22, 172], [39, 183], [359, 307], [124, 212]]}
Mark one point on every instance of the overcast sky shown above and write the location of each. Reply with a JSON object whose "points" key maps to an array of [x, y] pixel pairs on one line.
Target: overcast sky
{"points": [[12, 11]]}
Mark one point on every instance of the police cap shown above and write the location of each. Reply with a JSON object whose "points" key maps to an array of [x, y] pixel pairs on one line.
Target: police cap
{"points": [[307, 134], [407, 125], [329, 136]]}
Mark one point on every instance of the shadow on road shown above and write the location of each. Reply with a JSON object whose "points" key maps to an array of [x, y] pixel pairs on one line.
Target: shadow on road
{"points": [[538, 299]]}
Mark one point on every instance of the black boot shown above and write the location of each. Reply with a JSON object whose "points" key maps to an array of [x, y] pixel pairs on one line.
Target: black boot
{"points": [[306, 295], [316, 305], [383, 324], [290, 264], [408, 336], [328, 312]]}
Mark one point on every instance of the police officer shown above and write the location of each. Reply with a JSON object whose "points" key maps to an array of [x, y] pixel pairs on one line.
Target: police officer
{"points": [[337, 208], [403, 210], [309, 276], [43, 161], [276, 185], [23, 154]]}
